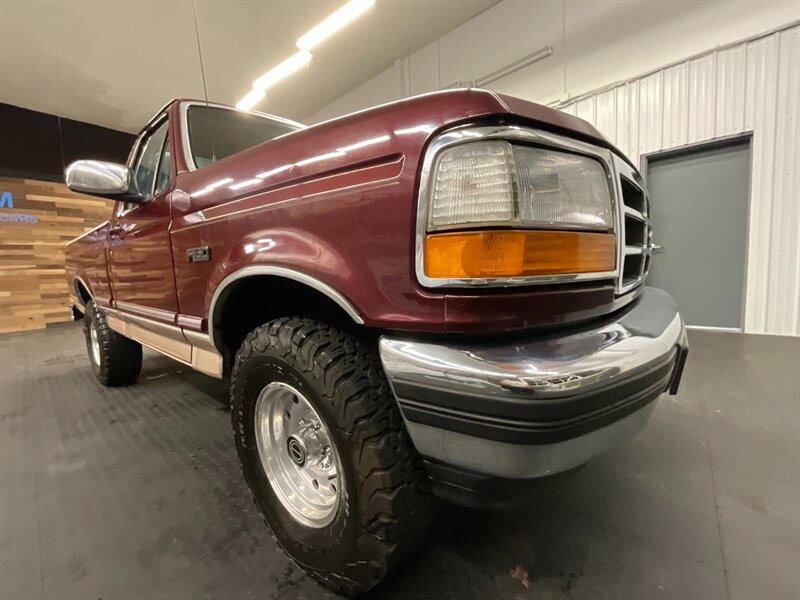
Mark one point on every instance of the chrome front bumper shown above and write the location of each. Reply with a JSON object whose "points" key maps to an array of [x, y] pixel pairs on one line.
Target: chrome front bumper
{"points": [[528, 408]]}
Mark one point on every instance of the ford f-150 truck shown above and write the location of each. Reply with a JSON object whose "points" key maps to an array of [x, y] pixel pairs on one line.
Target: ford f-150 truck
{"points": [[443, 294]]}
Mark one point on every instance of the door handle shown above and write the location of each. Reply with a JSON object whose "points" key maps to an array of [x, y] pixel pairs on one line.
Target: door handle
{"points": [[657, 249]]}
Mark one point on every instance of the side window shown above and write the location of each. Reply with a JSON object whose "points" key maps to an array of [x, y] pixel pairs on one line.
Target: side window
{"points": [[146, 165], [164, 165]]}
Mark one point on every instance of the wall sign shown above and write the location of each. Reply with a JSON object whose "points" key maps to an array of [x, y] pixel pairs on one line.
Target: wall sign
{"points": [[7, 201], [37, 220]]}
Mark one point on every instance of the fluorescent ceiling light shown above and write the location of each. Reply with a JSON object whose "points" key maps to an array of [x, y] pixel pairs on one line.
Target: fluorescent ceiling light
{"points": [[349, 12], [286, 68], [253, 97]]}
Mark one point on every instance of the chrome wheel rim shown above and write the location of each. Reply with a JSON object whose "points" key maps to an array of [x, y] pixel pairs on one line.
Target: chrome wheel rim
{"points": [[94, 343], [297, 454]]}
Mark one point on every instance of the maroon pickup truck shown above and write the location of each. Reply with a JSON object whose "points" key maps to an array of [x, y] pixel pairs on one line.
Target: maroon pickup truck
{"points": [[443, 294]]}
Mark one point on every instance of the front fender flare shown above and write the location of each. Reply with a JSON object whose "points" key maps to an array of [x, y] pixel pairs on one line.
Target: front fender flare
{"points": [[275, 262]]}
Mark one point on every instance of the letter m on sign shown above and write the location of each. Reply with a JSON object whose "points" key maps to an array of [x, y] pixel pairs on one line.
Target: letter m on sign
{"points": [[6, 201]]}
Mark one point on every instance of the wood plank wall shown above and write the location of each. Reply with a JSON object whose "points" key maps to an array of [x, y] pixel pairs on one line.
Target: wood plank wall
{"points": [[33, 288]]}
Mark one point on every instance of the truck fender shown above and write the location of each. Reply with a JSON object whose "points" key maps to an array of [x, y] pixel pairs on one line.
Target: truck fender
{"points": [[81, 291], [291, 254]]}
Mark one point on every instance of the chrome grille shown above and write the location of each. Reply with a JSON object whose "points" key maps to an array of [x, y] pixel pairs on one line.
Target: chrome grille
{"points": [[633, 227]]}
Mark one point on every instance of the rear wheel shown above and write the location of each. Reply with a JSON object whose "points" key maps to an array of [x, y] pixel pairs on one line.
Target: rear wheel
{"points": [[116, 360], [325, 452]]}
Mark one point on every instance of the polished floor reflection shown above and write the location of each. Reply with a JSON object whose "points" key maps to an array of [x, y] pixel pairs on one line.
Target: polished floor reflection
{"points": [[136, 493]]}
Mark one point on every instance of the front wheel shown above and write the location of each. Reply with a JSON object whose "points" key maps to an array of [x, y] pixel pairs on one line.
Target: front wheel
{"points": [[325, 452]]}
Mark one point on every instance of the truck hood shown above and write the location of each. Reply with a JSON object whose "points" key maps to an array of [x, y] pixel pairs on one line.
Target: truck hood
{"points": [[395, 131]]}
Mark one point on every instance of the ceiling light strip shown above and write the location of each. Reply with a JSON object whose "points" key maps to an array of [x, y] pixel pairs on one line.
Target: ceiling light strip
{"points": [[312, 38], [348, 13], [292, 64], [252, 98]]}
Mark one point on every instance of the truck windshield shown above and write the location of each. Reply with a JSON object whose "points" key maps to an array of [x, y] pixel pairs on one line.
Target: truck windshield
{"points": [[215, 133]]}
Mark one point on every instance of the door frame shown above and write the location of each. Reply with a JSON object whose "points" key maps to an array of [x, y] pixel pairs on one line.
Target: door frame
{"points": [[737, 139]]}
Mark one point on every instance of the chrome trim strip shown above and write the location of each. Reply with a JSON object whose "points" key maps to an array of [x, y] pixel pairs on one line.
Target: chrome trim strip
{"points": [[299, 276], [160, 118], [157, 326], [513, 134], [624, 170], [84, 234], [632, 212], [712, 328], [538, 367], [184, 125], [156, 313], [157, 121]]}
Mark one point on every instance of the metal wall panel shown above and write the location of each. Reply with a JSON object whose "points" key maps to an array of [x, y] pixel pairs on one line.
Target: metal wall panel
{"points": [[751, 87], [676, 113], [784, 258], [650, 117], [585, 109], [760, 118], [731, 82], [702, 98], [606, 111]]}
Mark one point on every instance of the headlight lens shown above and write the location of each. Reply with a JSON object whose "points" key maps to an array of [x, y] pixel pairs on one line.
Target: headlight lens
{"points": [[473, 183], [495, 182], [560, 188]]}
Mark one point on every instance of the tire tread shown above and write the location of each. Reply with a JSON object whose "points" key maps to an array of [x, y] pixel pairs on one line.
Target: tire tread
{"points": [[121, 358], [394, 498]]}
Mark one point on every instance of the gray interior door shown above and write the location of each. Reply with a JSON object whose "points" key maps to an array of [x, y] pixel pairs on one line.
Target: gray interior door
{"points": [[699, 205]]}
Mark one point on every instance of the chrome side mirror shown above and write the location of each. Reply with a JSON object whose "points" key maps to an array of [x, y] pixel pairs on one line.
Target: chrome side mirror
{"points": [[100, 178]]}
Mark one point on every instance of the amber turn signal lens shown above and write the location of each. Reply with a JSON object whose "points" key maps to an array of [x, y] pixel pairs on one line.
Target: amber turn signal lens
{"points": [[483, 254]]}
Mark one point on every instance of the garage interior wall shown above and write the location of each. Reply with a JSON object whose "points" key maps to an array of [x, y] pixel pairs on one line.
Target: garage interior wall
{"points": [[749, 87], [37, 220], [651, 76]]}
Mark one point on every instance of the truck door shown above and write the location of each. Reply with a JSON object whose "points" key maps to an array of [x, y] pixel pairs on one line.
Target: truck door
{"points": [[140, 258]]}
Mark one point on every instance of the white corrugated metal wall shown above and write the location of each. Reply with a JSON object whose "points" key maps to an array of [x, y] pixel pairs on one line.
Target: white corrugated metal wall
{"points": [[753, 86]]}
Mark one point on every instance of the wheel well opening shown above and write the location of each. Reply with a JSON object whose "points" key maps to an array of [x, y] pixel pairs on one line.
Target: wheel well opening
{"points": [[253, 301], [83, 294]]}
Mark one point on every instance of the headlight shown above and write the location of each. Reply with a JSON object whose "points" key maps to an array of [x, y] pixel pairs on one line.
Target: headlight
{"points": [[499, 210], [556, 188], [473, 183], [497, 183]]}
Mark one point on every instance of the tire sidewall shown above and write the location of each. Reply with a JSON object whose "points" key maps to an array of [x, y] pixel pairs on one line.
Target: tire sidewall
{"points": [[326, 548]]}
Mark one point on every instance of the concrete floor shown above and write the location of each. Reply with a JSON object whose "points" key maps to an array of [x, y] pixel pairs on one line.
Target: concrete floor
{"points": [[136, 493]]}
